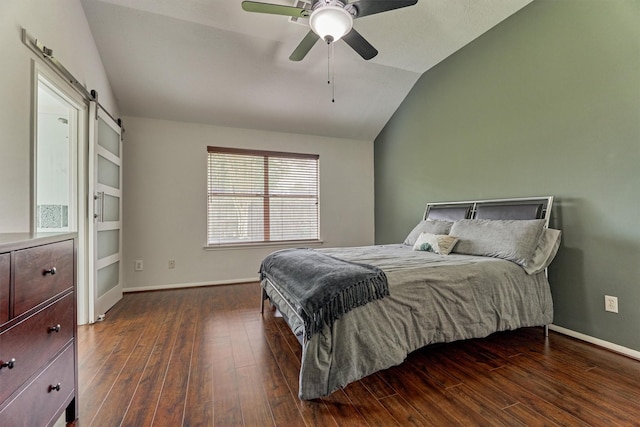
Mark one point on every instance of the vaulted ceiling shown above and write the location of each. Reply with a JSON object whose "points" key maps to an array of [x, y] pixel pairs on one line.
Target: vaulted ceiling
{"points": [[208, 61]]}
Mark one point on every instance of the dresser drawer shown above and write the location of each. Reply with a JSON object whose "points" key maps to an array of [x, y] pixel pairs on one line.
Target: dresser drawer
{"points": [[5, 277], [34, 341], [42, 272], [43, 399]]}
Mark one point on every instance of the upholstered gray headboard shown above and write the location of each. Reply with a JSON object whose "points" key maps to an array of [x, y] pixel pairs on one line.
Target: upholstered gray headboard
{"points": [[448, 212], [517, 208]]}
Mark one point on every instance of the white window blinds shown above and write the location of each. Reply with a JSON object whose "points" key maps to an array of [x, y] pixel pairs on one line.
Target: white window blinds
{"points": [[261, 196]]}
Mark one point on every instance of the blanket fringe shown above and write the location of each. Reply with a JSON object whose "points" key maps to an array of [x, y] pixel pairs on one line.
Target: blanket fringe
{"points": [[356, 295]]}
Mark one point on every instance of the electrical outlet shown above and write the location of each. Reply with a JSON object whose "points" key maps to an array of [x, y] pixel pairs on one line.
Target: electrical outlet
{"points": [[611, 303], [138, 265], [172, 263]]}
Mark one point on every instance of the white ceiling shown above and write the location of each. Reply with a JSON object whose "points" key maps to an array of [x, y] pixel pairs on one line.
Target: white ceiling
{"points": [[208, 61]]}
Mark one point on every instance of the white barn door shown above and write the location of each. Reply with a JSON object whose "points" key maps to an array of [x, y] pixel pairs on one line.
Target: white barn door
{"points": [[105, 230]]}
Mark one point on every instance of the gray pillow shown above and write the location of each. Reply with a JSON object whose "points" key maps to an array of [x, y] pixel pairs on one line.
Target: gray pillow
{"points": [[513, 240], [427, 226]]}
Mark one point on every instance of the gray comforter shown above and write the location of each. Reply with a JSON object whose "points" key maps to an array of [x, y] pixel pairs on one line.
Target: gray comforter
{"points": [[433, 298]]}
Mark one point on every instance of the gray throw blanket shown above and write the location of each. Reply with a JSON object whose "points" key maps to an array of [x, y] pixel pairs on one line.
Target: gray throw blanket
{"points": [[323, 288]]}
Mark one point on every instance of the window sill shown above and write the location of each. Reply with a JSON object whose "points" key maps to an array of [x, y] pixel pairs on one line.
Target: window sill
{"points": [[283, 245]]}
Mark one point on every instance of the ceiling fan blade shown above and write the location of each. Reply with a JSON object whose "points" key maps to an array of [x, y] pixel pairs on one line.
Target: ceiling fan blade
{"points": [[305, 46], [360, 44], [275, 9], [370, 7]]}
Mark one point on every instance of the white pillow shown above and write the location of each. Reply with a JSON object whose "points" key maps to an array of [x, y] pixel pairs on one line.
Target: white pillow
{"points": [[438, 243], [428, 226], [544, 253]]}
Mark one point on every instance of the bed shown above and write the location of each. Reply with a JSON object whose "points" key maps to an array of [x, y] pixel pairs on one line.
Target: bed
{"points": [[468, 269]]}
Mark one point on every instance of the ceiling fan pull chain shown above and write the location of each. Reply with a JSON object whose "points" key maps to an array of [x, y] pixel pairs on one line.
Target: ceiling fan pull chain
{"points": [[328, 63], [333, 75]]}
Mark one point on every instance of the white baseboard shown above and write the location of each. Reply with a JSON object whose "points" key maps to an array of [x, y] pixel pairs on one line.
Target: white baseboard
{"points": [[188, 285], [601, 343]]}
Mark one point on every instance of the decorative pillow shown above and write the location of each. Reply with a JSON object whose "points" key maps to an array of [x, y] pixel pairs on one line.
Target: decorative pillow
{"points": [[513, 240], [438, 243], [428, 226], [545, 251]]}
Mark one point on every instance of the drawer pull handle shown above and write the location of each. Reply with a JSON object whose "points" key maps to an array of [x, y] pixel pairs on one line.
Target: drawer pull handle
{"points": [[55, 328], [50, 271], [54, 387], [10, 364]]}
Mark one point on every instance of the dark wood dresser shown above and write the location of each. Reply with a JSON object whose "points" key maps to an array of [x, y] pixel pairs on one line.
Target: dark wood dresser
{"points": [[38, 355]]}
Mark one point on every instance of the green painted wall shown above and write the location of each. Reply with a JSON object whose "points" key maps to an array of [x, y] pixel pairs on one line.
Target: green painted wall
{"points": [[546, 103]]}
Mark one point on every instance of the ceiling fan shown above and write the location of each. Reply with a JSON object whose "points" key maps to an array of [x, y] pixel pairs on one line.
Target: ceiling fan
{"points": [[331, 20]]}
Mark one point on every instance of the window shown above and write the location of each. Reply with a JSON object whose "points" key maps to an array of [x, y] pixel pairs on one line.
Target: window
{"points": [[261, 196]]}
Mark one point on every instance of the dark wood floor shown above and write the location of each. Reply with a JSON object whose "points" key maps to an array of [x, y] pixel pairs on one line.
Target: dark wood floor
{"points": [[206, 356]]}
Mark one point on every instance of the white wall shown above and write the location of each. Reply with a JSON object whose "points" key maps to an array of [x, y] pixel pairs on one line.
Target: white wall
{"points": [[61, 25], [164, 192]]}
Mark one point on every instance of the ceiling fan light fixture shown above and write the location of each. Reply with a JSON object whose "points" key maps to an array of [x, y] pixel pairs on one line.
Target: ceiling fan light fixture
{"points": [[331, 23]]}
